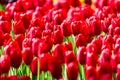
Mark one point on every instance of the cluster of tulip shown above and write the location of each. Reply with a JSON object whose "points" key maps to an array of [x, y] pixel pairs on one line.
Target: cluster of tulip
{"points": [[60, 40]]}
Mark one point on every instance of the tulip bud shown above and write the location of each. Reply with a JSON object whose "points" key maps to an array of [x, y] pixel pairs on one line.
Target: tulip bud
{"points": [[72, 71], [27, 56]]}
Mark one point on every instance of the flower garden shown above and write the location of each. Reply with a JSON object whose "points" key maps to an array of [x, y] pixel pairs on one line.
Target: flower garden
{"points": [[59, 39]]}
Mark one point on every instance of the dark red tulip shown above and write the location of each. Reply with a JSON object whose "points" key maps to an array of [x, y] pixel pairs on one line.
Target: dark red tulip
{"points": [[27, 56], [5, 63], [81, 55], [104, 71], [59, 52], [96, 24], [58, 19], [72, 71], [13, 50], [80, 40], [55, 67], [1, 38], [70, 57], [89, 2], [18, 27]]}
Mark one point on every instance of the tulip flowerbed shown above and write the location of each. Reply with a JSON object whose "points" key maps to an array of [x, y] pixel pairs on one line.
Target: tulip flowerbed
{"points": [[60, 40]]}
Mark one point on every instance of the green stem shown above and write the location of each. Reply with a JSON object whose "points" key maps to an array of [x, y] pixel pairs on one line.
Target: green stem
{"points": [[38, 73], [82, 72]]}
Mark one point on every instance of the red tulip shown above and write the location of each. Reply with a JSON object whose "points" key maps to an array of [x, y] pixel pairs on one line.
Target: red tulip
{"points": [[42, 48], [81, 55], [27, 42], [57, 37], [36, 22], [24, 77], [55, 67], [13, 50], [74, 14], [116, 31], [59, 52], [72, 71], [3, 78], [70, 57], [58, 19], [66, 28], [91, 73], [5, 26], [18, 27], [91, 59], [87, 11], [49, 41], [26, 17], [34, 32], [104, 71], [7, 38], [68, 46], [13, 77], [114, 61], [80, 40], [117, 49], [44, 61], [96, 24], [19, 38], [105, 56], [27, 56], [5, 63], [76, 27], [117, 5], [34, 66], [35, 44]]}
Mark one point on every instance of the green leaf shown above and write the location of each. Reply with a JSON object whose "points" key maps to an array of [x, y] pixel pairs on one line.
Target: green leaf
{"points": [[2, 7]]}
